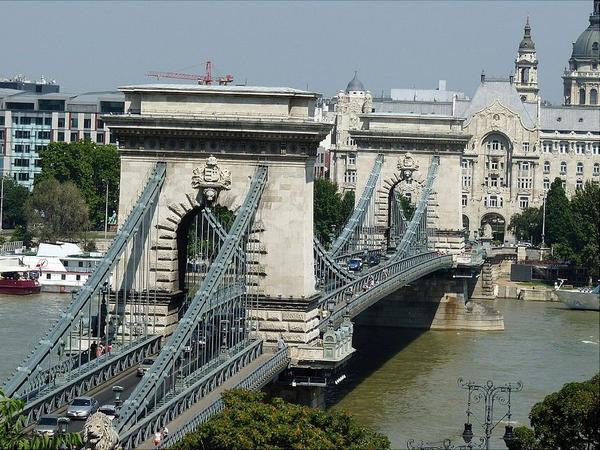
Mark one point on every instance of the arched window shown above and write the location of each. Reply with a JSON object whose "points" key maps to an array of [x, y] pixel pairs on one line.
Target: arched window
{"points": [[563, 167], [546, 166], [593, 97], [582, 96], [525, 75], [579, 168]]}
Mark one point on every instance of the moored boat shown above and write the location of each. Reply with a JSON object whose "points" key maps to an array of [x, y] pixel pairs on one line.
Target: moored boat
{"points": [[582, 298], [18, 279]]}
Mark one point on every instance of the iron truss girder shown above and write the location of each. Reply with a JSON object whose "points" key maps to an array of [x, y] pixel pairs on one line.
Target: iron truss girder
{"points": [[360, 211], [202, 301], [15, 386]]}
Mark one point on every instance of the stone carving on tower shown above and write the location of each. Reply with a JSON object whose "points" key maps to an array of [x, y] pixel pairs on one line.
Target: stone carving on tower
{"points": [[211, 179], [409, 181]]}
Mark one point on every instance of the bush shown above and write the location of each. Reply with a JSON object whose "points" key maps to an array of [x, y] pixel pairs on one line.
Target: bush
{"points": [[249, 421]]}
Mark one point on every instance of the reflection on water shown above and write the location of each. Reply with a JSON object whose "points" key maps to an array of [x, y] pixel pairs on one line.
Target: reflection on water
{"points": [[404, 383], [24, 319]]}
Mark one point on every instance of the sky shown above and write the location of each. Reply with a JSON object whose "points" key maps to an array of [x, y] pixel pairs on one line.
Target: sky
{"points": [[94, 46]]}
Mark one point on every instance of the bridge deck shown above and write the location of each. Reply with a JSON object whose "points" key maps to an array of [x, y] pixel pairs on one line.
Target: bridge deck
{"points": [[237, 379]]}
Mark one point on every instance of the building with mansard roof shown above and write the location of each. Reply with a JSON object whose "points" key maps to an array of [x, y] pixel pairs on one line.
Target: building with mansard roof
{"points": [[517, 144]]}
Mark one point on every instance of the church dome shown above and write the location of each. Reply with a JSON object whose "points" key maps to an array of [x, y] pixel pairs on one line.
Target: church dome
{"points": [[355, 84], [588, 43]]}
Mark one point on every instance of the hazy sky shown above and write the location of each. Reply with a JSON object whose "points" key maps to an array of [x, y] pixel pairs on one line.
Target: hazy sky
{"points": [[101, 45]]}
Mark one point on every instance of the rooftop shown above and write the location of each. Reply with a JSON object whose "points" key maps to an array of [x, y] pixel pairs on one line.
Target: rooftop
{"points": [[212, 89]]}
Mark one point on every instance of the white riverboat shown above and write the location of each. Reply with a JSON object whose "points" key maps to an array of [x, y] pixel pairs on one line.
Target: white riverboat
{"points": [[63, 267], [582, 298]]}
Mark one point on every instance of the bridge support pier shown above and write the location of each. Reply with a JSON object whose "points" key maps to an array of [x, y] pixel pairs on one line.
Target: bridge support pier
{"points": [[311, 396], [440, 301]]}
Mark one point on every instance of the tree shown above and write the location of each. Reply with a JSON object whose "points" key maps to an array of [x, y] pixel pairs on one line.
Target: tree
{"points": [[564, 420], [56, 210], [331, 209], [90, 167], [584, 236], [13, 433], [527, 225], [249, 421], [13, 210], [558, 214]]}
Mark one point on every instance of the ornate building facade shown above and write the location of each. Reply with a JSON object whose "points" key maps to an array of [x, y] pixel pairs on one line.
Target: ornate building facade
{"points": [[516, 145]]}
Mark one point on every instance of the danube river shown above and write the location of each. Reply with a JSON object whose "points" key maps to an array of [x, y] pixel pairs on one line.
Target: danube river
{"points": [[403, 383]]}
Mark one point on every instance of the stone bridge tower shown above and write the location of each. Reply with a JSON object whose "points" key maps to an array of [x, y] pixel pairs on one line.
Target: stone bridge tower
{"points": [[219, 135]]}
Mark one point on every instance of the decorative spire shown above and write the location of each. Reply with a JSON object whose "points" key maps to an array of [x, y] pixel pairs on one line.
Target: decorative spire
{"points": [[596, 8], [527, 44]]}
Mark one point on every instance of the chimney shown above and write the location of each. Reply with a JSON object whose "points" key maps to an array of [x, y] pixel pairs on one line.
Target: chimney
{"points": [[511, 78], [482, 77], [441, 85]]}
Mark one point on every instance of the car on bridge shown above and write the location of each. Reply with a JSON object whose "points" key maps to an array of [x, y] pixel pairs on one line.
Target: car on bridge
{"points": [[354, 264], [144, 366], [47, 425], [374, 259], [109, 410], [82, 407]]}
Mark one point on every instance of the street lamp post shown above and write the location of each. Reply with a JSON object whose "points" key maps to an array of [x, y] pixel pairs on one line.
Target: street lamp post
{"points": [[118, 390], [544, 224], [63, 429], [489, 394], [1, 200]]}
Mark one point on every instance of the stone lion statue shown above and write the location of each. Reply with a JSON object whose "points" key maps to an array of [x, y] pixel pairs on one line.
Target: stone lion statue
{"points": [[98, 433]]}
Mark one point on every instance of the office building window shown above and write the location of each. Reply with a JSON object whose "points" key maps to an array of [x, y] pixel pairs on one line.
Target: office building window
{"points": [[547, 146], [19, 162], [596, 169], [596, 149], [494, 181], [37, 163], [21, 134], [87, 123], [524, 166], [74, 122], [1, 120], [22, 176], [74, 137], [523, 202], [39, 120], [100, 140], [525, 147], [39, 148], [87, 136], [493, 201], [580, 148], [546, 184], [563, 167], [579, 184], [60, 136], [43, 135], [350, 176], [351, 159], [61, 122], [113, 139], [48, 121], [25, 120], [563, 147], [546, 166], [464, 200], [579, 168], [99, 124]]}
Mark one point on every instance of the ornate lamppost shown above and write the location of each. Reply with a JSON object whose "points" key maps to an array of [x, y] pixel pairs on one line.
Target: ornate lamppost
{"points": [[63, 429], [118, 390], [489, 394]]}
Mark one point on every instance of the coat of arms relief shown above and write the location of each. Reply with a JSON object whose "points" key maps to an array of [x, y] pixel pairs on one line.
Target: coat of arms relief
{"points": [[409, 181], [211, 179]]}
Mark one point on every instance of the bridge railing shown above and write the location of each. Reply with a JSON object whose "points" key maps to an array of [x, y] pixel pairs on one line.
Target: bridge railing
{"points": [[388, 275], [126, 250], [258, 378]]}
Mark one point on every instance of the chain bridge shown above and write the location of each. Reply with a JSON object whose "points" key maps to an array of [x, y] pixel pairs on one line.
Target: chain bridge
{"points": [[215, 272]]}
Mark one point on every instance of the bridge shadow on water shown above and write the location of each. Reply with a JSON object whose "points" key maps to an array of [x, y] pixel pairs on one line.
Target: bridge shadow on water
{"points": [[374, 346]]}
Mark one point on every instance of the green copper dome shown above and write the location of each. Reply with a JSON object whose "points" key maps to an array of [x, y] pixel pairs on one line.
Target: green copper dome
{"points": [[588, 44]]}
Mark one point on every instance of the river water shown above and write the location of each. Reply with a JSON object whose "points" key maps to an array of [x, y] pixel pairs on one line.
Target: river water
{"points": [[403, 383]]}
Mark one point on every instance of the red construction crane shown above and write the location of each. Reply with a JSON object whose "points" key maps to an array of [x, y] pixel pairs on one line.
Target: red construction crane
{"points": [[206, 78]]}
